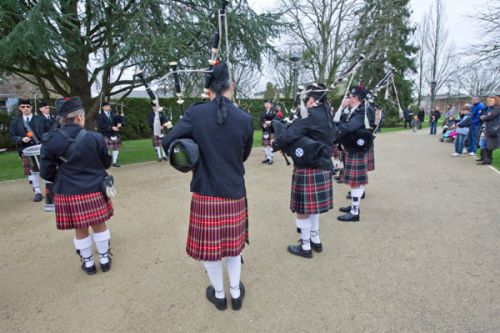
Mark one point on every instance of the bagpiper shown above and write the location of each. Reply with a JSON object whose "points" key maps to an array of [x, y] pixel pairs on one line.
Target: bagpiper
{"points": [[109, 125], [218, 222], [157, 121], [267, 115]]}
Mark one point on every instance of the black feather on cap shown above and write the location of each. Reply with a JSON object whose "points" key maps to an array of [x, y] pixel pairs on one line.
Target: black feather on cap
{"points": [[359, 91], [26, 101], [219, 77], [66, 105]]}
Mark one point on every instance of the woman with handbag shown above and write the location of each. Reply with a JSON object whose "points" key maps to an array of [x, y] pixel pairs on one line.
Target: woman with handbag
{"points": [[75, 160], [491, 132]]}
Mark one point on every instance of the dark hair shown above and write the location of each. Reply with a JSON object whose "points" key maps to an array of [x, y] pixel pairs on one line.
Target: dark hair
{"points": [[219, 88]]}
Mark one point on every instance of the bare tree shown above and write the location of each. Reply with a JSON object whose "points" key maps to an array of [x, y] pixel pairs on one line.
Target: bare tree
{"points": [[422, 32], [488, 47], [476, 79]]}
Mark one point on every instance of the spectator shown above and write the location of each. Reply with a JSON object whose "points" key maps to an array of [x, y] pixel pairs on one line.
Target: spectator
{"points": [[476, 109], [434, 117], [491, 128], [421, 117], [379, 117], [449, 117], [408, 116], [462, 129]]}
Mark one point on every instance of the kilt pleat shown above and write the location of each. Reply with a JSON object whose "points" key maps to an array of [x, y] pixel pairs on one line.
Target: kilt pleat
{"points": [[218, 227], [79, 211], [312, 191], [113, 145], [26, 165], [355, 169], [267, 142], [371, 158]]}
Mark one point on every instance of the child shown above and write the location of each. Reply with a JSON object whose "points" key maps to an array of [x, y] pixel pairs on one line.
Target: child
{"points": [[462, 130], [415, 124]]}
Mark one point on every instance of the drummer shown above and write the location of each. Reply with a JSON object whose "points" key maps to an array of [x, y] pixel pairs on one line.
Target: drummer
{"points": [[24, 132]]}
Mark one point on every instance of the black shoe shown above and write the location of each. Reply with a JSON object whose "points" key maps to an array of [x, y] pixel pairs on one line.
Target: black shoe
{"points": [[298, 230], [270, 162], [237, 302], [220, 303], [297, 250], [349, 195], [265, 161], [317, 247], [346, 209], [165, 158], [116, 165], [38, 197], [107, 266], [89, 270], [348, 218], [159, 159]]}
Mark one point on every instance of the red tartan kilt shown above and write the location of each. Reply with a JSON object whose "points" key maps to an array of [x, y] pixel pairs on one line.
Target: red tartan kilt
{"points": [[218, 227], [156, 141], [355, 169], [371, 159], [26, 165], [267, 142], [113, 145], [80, 211], [312, 191]]}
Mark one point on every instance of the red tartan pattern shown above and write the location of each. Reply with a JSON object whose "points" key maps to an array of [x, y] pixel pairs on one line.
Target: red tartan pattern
{"points": [[267, 142], [312, 191], [79, 211], [113, 145], [218, 227], [371, 158], [26, 165], [156, 141], [355, 169]]}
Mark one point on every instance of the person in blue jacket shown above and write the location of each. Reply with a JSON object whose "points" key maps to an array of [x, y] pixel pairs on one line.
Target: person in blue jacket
{"points": [[472, 138]]}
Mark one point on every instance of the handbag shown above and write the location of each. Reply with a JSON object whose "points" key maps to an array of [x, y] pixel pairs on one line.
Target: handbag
{"points": [[108, 186]]}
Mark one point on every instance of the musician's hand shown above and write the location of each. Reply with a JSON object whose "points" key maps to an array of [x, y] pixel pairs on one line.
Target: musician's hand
{"points": [[26, 139], [119, 125], [116, 129]]}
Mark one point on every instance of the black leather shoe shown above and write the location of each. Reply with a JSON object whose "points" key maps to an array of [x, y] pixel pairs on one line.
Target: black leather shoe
{"points": [[348, 218], [349, 195], [237, 302], [270, 162], [220, 303], [89, 270], [38, 197], [297, 250], [165, 158], [159, 159], [116, 165], [265, 161], [317, 247], [346, 209], [107, 266]]}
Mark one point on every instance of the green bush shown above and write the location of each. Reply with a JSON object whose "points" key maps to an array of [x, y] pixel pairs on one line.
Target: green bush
{"points": [[5, 119]]}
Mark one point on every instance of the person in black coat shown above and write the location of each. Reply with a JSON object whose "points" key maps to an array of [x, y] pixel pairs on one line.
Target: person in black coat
{"points": [[356, 160], [218, 223], [109, 125], [157, 121], [26, 130], [268, 114], [75, 160], [311, 190], [50, 121]]}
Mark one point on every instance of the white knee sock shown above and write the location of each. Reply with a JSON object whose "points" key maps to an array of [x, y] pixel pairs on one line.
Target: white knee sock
{"points": [[84, 247], [271, 154], [101, 240], [356, 198], [162, 152], [35, 181], [305, 232], [158, 151], [214, 271], [234, 272], [265, 152], [115, 156], [315, 228]]}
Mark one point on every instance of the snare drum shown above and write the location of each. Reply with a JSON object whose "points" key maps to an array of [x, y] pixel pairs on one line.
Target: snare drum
{"points": [[33, 155]]}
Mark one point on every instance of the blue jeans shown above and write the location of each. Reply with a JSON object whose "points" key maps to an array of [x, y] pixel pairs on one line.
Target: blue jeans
{"points": [[433, 127], [472, 146], [459, 143]]}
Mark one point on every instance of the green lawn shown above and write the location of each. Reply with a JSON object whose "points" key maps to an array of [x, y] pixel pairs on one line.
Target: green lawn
{"points": [[135, 151]]}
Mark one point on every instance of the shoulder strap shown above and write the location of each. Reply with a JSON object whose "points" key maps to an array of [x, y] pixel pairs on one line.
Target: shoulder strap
{"points": [[74, 143]]}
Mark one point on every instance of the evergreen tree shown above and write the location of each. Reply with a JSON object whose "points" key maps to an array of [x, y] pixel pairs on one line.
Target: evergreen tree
{"points": [[383, 36]]}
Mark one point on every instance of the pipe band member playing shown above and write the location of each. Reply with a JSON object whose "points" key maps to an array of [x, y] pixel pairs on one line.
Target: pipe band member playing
{"points": [[311, 190], [356, 161], [76, 160], [218, 222], [268, 114], [26, 130], [109, 124], [157, 121]]}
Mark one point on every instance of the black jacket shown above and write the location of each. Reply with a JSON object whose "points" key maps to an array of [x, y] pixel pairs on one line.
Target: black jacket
{"points": [[105, 123], [18, 130], [151, 119], [351, 124], [265, 116], [85, 169], [223, 149], [319, 127]]}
